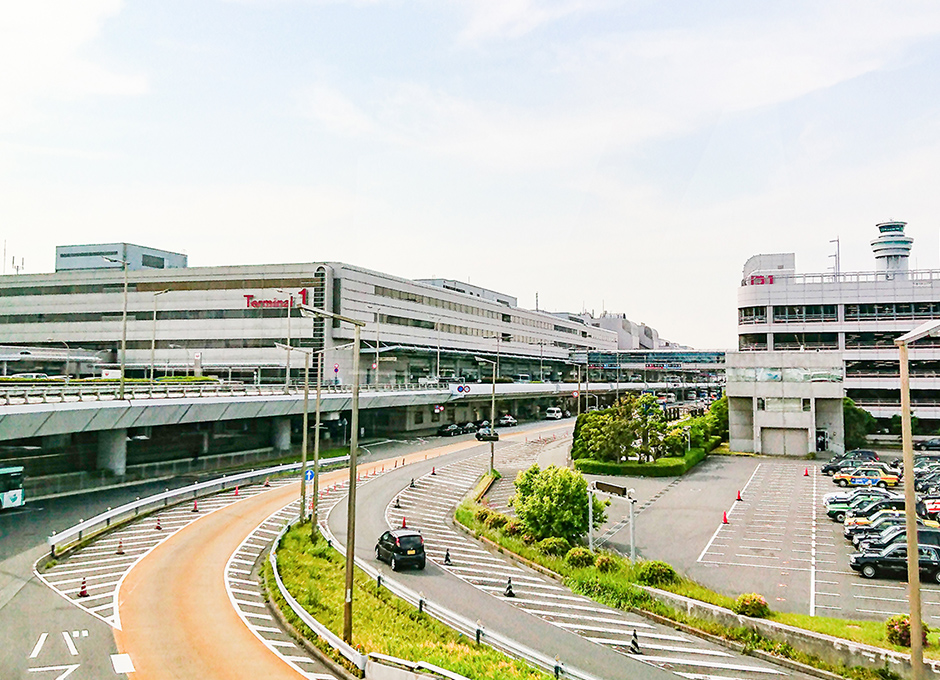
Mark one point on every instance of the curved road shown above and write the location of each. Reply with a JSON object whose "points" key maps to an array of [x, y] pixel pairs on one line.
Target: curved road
{"points": [[177, 618]]}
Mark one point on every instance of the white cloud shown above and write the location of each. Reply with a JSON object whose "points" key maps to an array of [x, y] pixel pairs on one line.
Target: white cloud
{"points": [[490, 19], [42, 45], [334, 110]]}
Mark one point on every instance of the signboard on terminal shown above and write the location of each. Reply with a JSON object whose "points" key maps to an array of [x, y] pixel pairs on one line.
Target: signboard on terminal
{"points": [[253, 302], [663, 366]]}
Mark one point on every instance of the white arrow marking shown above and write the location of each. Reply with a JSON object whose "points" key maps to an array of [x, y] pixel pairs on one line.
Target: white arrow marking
{"points": [[39, 644], [67, 670], [69, 643]]}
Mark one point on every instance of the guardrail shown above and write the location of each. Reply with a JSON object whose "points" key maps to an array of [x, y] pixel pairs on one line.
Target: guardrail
{"points": [[461, 624], [62, 392], [90, 527]]}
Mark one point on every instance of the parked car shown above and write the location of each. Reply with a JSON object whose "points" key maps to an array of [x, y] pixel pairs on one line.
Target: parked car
{"points": [[468, 427], [449, 430], [853, 525], [898, 534], [866, 476], [876, 529], [553, 413], [848, 496], [929, 445], [879, 504], [848, 460], [400, 548], [893, 562], [487, 434], [506, 421], [837, 511]]}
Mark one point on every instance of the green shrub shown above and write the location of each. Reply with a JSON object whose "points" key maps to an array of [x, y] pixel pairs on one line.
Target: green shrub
{"points": [[513, 527], [553, 546], [662, 467], [753, 605], [579, 557], [656, 573], [605, 563], [528, 538], [482, 515], [496, 521], [898, 630]]}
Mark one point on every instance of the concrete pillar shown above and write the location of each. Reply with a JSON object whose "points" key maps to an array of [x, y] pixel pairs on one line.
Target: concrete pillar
{"points": [[280, 434], [112, 451]]}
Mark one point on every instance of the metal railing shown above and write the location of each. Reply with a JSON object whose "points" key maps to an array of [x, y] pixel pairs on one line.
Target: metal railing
{"points": [[80, 392], [473, 629], [91, 527]]}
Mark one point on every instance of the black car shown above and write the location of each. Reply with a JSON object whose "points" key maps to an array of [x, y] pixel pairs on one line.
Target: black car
{"points": [[873, 531], [469, 427], [400, 548], [487, 434], [893, 561], [449, 430], [844, 464], [929, 445], [898, 534]]}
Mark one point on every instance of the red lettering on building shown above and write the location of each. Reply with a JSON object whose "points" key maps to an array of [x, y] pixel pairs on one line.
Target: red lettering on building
{"points": [[760, 279], [254, 303]]}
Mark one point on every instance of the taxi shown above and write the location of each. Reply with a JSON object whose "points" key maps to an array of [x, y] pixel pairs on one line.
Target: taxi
{"points": [[866, 476]]}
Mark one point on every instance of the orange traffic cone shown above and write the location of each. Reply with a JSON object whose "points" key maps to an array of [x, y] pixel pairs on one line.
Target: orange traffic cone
{"points": [[158, 527], [267, 481], [724, 518], [120, 550], [195, 505], [806, 472], [84, 589], [236, 490], [403, 524], [739, 497]]}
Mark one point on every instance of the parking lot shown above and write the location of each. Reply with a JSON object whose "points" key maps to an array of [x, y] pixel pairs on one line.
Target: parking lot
{"points": [[778, 540]]}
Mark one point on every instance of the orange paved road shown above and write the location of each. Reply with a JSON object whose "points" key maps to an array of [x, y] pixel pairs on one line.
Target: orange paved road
{"points": [[176, 616]]}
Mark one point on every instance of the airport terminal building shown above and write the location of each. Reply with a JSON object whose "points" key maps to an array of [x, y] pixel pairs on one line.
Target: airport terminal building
{"points": [[225, 321], [854, 316]]}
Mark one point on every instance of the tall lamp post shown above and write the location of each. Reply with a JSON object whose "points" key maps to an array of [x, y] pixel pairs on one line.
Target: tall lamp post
{"points": [[303, 447], [123, 263], [185, 349], [153, 336], [353, 446], [378, 312], [492, 410], [290, 307], [910, 500]]}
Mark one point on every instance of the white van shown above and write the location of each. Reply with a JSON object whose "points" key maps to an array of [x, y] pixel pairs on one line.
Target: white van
{"points": [[553, 413]]}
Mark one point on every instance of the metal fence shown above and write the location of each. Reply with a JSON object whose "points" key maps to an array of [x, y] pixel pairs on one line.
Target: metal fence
{"points": [[85, 529]]}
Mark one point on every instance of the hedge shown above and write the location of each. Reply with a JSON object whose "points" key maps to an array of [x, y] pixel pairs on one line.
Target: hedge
{"points": [[663, 467]]}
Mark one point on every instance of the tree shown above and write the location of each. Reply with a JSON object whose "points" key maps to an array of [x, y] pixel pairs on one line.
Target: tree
{"points": [[718, 411], [858, 424], [554, 502], [633, 426]]}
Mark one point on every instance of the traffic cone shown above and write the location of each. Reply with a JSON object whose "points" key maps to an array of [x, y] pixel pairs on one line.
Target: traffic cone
{"points": [[635, 644], [267, 481], [84, 589], [120, 550], [739, 497], [447, 556], [195, 505], [396, 462], [508, 592], [397, 504], [404, 525], [158, 527], [236, 491], [724, 518], [433, 471], [806, 472]]}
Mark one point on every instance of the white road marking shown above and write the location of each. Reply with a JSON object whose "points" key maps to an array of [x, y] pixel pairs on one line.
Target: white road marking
{"points": [[122, 663], [715, 535], [38, 648], [67, 670], [712, 664], [812, 564], [69, 643]]}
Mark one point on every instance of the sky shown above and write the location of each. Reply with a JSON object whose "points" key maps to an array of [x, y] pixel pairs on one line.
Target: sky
{"points": [[626, 156]]}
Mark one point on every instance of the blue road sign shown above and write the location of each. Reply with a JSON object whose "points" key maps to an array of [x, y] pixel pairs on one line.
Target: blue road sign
{"points": [[309, 476]]}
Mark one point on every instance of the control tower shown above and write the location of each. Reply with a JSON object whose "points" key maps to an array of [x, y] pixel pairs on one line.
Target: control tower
{"points": [[892, 248]]}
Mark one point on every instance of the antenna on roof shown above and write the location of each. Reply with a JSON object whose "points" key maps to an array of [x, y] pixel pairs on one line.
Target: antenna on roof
{"points": [[536, 301], [836, 264]]}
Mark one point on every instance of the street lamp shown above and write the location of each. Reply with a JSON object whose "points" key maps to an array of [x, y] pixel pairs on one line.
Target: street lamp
{"points": [[910, 500], [123, 263], [153, 337], [630, 493], [290, 306], [378, 312], [492, 410], [353, 445], [303, 448], [67, 352]]}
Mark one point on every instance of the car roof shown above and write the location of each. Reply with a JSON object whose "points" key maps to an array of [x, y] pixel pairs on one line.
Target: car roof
{"points": [[398, 533]]}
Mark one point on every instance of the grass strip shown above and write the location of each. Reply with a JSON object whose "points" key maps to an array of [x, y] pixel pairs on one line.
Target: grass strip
{"points": [[314, 574], [618, 588]]}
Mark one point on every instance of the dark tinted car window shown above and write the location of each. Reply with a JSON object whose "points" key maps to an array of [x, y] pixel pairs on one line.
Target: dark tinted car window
{"points": [[410, 542]]}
